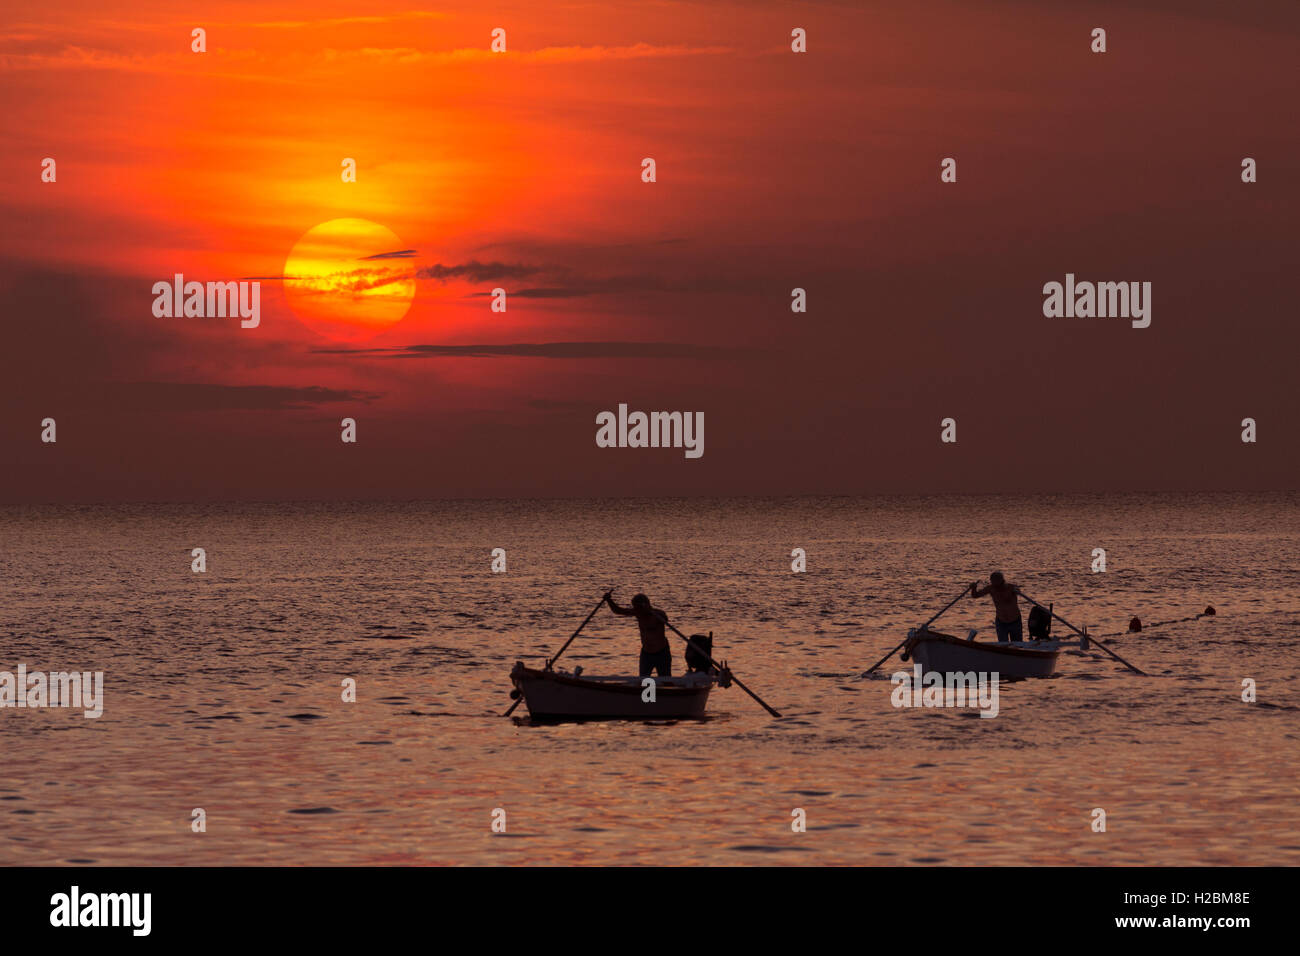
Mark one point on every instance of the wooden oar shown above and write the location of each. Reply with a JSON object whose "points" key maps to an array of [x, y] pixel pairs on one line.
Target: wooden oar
{"points": [[552, 661], [734, 678], [964, 592], [1083, 634]]}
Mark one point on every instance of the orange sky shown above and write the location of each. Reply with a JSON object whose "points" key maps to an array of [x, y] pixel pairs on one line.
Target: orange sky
{"points": [[775, 170]]}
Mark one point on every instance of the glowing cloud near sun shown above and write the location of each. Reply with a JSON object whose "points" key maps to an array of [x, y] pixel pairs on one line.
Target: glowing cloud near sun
{"points": [[349, 279]]}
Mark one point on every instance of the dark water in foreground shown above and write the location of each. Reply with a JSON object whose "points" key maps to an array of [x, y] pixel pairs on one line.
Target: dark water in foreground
{"points": [[223, 689]]}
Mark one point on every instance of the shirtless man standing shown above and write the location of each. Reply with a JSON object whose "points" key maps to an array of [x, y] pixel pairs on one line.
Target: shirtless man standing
{"points": [[656, 655], [1005, 602]]}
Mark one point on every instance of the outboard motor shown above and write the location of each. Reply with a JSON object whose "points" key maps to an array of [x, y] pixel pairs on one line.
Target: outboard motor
{"points": [[698, 650], [1040, 624]]}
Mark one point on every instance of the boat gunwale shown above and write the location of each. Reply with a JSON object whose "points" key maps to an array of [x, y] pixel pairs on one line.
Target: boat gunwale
{"points": [[1009, 648], [522, 673]]}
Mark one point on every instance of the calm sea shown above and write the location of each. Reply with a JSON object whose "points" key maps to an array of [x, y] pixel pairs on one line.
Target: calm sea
{"points": [[223, 689]]}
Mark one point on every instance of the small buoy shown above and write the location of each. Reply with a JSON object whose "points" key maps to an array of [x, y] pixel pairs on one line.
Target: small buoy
{"points": [[1209, 610], [1135, 624], [905, 657], [514, 694]]}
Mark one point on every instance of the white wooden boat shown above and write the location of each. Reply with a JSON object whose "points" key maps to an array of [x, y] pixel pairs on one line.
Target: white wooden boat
{"points": [[557, 695], [1008, 659]]}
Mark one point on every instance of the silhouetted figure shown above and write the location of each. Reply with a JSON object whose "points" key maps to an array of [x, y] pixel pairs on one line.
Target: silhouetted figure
{"points": [[656, 655], [1005, 602]]}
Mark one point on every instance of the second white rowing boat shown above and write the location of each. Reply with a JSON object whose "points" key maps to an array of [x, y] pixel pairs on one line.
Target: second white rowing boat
{"points": [[1009, 659]]}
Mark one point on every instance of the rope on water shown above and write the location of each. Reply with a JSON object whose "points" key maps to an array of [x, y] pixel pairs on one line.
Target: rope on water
{"points": [[1136, 625]]}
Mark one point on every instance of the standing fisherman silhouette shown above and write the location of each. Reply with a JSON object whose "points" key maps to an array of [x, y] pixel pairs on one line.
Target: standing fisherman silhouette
{"points": [[656, 655], [1007, 621]]}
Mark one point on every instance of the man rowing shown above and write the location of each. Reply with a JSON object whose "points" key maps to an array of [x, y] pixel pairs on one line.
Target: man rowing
{"points": [[1004, 595], [656, 655]]}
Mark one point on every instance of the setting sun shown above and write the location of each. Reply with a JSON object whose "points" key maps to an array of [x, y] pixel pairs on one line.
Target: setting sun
{"points": [[349, 279]]}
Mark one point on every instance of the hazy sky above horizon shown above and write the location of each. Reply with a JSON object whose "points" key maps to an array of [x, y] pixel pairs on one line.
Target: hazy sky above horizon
{"points": [[775, 170]]}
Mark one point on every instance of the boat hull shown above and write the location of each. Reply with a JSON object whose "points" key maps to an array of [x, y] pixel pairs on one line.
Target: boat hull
{"points": [[555, 695], [1010, 660]]}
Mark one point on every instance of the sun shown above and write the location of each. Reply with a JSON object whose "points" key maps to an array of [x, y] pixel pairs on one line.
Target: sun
{"points": [[349, 279]]}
